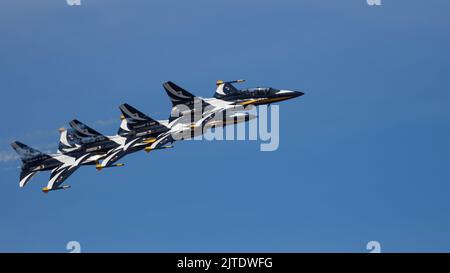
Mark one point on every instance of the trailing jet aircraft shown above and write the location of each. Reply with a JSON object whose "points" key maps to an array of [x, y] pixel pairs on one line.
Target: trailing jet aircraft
{"points": [[182, 128], [60, 165], [137, 131], [83, 139], [140, 132], [78, 146], [89, 141]]}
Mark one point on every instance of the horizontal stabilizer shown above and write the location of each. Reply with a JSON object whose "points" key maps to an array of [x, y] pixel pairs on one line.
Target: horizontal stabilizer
{"points": [[68, 140]]}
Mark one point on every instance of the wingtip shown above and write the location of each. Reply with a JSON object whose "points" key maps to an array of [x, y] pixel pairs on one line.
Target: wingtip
{"points": [[167, 84], [74, 121]]}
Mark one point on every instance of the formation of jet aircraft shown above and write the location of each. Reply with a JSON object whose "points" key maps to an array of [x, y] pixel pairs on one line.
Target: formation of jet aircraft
{"points": [[190, 116]]}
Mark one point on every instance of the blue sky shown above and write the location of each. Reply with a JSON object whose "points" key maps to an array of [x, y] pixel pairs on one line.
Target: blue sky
{"points": [[363, 155]]}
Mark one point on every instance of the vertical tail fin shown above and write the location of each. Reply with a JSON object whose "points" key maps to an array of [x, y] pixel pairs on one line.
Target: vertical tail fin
{"points": [[84, 131], [28, 154], [177, 94], [181, 97], [135, 116], [226, 88], [135, 120], [67, 140], [123, 129]]}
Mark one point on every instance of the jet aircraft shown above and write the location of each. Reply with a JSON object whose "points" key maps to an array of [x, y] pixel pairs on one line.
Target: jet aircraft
{"points": [[82, 145], [254, 96]]}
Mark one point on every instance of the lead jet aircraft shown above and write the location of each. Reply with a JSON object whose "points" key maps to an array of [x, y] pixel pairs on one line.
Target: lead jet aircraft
{"points": [[200, 111], [192, 115], [254, 96], [227, 98]]}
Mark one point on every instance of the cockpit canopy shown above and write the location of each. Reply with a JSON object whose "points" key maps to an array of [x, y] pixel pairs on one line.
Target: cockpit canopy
{"points": [[260, 91]]}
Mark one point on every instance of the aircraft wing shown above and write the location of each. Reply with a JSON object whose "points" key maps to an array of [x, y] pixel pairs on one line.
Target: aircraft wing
{"points": [[211, 115], [57, 177], [130, 145], [181, 127], [162, 140], [112, 157], [207, 117], [62, 172]]}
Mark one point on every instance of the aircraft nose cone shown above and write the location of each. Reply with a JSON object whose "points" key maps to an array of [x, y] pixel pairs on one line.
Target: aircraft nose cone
{"points": [[289, 93], [298, 94]]}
